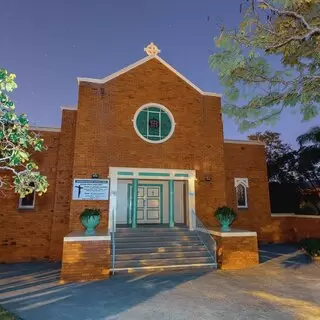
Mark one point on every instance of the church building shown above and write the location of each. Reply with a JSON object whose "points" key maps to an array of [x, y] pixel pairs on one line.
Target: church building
{"points": [[154, 141]]}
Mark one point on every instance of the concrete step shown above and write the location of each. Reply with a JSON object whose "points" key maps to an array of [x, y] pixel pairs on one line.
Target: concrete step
{"points": [[162, 262], [161, 238], [152, 230], [160, 255], [203, 267], [153, 234], [157, 244], [184, 248]]}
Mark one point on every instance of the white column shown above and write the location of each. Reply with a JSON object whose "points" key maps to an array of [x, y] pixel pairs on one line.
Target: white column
{"points": [[113, 200], [191, 203]]}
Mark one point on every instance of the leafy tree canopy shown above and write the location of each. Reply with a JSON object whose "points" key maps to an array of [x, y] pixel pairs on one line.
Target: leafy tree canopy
{"points": [[17, 143], [287, 29], [299, 168]]}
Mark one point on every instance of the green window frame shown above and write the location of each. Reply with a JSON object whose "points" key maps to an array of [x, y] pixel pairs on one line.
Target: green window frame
{"points": [[154, 123]]}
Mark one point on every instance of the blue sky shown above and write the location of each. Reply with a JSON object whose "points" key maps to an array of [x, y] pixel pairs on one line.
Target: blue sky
{"points": [[48, 44]]}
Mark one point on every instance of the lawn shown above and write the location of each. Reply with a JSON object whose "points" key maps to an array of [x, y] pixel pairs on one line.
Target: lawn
{"points": [[6, 315]]}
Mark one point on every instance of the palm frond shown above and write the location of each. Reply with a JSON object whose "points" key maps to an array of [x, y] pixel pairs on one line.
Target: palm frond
{"points": [[311, 136]]}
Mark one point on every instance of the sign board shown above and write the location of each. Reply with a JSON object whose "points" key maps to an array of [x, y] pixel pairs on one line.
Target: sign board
{"points": [[90, 189]]}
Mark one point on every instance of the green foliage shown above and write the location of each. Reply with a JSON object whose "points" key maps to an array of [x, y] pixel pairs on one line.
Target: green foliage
{"points": [[279, 155], [311, 246], [90, 218], [17, 143], [225, 215], [89, 212], [296, 167], [287, 30]]}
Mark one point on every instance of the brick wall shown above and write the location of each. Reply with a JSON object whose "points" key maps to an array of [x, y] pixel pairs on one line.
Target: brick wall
{"points": [[248, 161], [25, 234], [291, 228], [85, 260], [236, 252], [105, 135], [60, 218]]}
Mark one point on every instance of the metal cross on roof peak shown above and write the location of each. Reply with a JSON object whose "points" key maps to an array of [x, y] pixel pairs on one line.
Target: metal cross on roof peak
{"points": [[152, 49]]}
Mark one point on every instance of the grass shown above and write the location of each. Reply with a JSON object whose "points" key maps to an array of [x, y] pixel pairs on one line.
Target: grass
{"points": [[6, 315]]}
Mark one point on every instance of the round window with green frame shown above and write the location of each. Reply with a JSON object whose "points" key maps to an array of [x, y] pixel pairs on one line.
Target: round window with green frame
{"points": [[154, 123]]}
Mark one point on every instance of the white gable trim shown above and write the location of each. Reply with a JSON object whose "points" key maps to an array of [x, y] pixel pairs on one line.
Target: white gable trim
{"points": [[34, 128], [142, 61], [68, 107], [256, 142]]}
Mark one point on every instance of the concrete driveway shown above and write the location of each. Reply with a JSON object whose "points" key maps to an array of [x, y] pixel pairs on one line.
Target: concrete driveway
{"points": [[284, 286]]}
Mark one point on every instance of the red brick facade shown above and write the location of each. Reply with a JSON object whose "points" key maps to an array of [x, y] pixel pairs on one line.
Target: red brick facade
{"points": [[236, 252], [248, 161], [100, 134], [26, 234], [85, 260]]}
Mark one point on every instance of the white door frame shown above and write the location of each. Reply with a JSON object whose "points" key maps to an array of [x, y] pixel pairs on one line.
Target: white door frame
{"points": [[116, 173]]}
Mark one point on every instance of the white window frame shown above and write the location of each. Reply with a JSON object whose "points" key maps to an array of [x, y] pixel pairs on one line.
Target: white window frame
{"points": [[243, 182], [163, 108], [28, 207]]}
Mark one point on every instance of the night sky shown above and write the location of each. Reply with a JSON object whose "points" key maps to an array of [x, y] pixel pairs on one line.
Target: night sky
{"points": [[48, 44]]}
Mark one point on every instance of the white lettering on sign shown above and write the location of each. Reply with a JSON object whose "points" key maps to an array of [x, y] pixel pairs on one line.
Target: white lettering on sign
{"points": [[90, 189]]}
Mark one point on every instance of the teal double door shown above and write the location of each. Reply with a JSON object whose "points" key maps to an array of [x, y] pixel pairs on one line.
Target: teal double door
{"points": [[149, 204]]}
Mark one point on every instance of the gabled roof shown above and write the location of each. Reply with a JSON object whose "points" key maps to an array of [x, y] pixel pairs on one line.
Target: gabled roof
{"points": [[140, 62]]}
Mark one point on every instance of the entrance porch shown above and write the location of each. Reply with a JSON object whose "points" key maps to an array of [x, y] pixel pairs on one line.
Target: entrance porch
{"points": [[144, 196]]}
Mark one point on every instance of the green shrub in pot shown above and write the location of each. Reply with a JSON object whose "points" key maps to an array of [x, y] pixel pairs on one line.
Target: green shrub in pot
{"points": [[225, 217], [90, 218]]}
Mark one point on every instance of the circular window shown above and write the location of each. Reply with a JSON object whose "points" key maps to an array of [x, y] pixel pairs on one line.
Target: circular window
{"points": [[154, 123]]}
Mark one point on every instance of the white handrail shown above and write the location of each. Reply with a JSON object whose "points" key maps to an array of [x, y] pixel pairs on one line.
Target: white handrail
{"points": [[205, 237], [113, 237]]}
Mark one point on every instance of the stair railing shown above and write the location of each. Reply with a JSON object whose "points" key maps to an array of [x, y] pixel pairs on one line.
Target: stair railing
{"points": [[205, 237], [113, 241]]}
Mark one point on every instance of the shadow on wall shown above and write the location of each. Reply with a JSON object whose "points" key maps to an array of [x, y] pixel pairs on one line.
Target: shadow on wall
{"points": [[33, 289]]}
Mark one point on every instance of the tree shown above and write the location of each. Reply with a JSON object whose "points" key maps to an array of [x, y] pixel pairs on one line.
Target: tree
{"points": [[286, 29], [309, 166], [279, 155], [294, 175], [17, 143]]}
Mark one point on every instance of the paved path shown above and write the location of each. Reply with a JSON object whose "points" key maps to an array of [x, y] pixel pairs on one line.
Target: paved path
{"points": [[284, 286]]}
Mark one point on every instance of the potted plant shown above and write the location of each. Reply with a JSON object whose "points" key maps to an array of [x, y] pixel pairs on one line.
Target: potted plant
{"points": [[225, 217], [311, 246], [90, 218]]}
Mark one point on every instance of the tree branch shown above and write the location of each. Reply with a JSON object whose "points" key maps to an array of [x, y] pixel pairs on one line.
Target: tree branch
{"points": [[288, 13], [295, 38], [9, 169], [312, 30]]}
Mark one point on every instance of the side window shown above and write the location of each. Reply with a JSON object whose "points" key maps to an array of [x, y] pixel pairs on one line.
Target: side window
{"points": [[28, 202], [241, 185]]}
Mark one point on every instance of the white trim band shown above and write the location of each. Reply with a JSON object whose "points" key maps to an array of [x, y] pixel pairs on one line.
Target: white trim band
{"points": [[284, 215], [33, 128], [254, 142], [231, 233], [69, 108], [81, 236]]}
